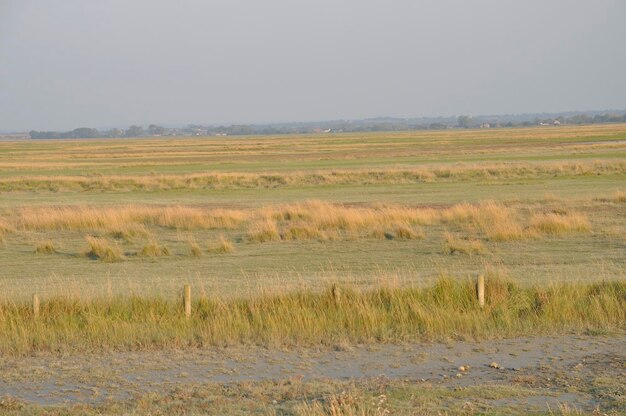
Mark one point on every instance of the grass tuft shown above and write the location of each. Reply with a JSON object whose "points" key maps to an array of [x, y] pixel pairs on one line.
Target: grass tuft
{"points": [[194, 248], [555, 224], [263, 231], [154, 249], [222, 246], [103, 250], [45, 247], [453, 244], [407, 233]]}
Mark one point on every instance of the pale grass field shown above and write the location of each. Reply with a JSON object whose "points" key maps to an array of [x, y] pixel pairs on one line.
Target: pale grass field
{"points": [[318, 241], [241, 213]]}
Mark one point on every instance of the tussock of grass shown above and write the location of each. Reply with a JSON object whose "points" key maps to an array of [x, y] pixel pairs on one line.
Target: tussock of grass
{"points": [[45, 247], [555, 224], [302, 232], [389, 314], [222, 246], [154, 249], [263, 231], [103, 250], [619, 196], [5, 229], [194, 248], [408, 233], [453, 244], [129, 233]]}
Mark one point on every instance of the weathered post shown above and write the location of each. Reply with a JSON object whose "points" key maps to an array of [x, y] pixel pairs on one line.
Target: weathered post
{"points": [[480, 290], [35, 305], [187, 301]]}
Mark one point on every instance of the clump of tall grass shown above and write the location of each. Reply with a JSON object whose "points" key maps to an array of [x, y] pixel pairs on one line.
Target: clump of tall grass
{"points": [[302, 232], [103, 250], [129, 232], [194, 248], [453, 244], [222, 246], [404, 232], [263, 231], [554, 223], [5, 229], [619, 196], [496, 221], [446, 310], [45, 247], [154, 249]]}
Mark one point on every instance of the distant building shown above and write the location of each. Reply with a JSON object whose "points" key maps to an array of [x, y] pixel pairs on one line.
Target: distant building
{"points": [[485, 126], [557, 123]]}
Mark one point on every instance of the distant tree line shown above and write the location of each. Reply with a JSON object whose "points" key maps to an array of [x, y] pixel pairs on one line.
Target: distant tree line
{"points": [[376, 124]]}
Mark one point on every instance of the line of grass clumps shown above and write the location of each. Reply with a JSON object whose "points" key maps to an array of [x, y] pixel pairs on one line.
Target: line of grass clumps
{"points": [[262, 180], [309, 220], [446, 310]]}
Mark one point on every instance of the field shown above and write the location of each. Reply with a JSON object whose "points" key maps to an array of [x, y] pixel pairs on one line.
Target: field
{"points": [[325, 241]]}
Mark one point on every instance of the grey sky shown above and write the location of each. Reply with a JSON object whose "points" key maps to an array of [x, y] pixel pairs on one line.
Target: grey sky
{"points": [[71, 63]]}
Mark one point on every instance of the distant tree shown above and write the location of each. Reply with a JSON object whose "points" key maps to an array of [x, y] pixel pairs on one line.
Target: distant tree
{"points": [[155, 130], [464, 121], [134, 131], [114, 133], [580, 119], [44, 134], [83, 133]]}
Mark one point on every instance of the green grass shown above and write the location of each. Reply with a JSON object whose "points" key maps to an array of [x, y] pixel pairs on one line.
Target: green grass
{"points": [[446, 310]]}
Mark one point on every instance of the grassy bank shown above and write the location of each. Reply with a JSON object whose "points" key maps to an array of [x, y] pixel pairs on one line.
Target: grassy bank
{"points": [[447, 310]]}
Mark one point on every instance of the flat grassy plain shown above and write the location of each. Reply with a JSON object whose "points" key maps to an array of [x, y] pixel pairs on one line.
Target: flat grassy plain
{"points": [[204, 191], [312, 241]]}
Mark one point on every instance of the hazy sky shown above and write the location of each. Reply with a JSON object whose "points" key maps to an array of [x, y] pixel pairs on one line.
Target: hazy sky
{"points": [[98, 63]]}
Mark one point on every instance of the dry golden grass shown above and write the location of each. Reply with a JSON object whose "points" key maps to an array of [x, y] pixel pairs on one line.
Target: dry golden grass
{"points": [[118, 219], [45, 247], [222, 246], [303, 232], [304, 221], [5, 229], [194, 248], [154, 249], [404, 232], [263, 231], [453, 244], [260, 180], [619, 196], [555, 224], [103, 250]]}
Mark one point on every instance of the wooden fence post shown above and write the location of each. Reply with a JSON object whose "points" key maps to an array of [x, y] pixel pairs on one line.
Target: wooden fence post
{"points": [[480, 290], [187, 301], [35, 305]]}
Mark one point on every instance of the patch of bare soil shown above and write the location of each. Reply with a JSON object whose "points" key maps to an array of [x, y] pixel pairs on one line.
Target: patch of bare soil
{"points": [[581, 371]]}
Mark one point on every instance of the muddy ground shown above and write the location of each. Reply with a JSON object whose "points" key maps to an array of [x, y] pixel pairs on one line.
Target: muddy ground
{"points": [[584, 372]]}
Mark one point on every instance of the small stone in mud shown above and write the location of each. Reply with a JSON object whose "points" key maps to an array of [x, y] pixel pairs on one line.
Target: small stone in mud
{"points": [[459, 375], [494, 365], [462, 368]]}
